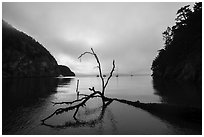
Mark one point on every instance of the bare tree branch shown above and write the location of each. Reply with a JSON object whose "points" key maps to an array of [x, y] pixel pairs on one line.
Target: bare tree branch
{"points": [[81, 102], [68, 103], [100, 70], [88, 95], [76, 112], [152, 107], [84, 54], [61, 110], [111, 73], [77, 86], [78, 122]]}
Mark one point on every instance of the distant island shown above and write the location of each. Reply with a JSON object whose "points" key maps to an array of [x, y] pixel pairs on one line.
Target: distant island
{"points": [[181, 57], [23, 56]]}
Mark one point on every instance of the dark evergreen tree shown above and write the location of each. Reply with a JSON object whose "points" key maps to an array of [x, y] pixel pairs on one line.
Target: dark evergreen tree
{"points": [[181, 57]]}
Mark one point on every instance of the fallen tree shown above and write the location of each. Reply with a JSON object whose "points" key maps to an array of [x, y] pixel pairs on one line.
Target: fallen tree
{"points": [[162, 110], [82, 101]]}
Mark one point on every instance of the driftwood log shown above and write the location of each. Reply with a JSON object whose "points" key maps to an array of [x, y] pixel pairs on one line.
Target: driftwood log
{"points": [[161, 110]]}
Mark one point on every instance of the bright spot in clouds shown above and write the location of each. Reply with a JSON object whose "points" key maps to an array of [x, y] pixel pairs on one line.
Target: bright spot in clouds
{"points": [[89, 39]]}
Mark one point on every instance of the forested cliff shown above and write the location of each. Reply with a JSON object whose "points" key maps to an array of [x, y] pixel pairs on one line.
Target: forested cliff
{"points": [[181, 57], [23, 56]]}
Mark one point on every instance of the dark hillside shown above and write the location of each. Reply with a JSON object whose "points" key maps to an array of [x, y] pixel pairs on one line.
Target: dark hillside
{"points": [[23, 56]]}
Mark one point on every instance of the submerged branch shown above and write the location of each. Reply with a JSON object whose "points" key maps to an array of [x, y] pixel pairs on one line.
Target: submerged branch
{"points": [[79, 123], [162, 110], [168, 111], [81, 104]]}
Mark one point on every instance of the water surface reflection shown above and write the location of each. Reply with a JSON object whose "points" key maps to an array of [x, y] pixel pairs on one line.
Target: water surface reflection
{"points": [[178, 92], [23, 98], [27, 101]]}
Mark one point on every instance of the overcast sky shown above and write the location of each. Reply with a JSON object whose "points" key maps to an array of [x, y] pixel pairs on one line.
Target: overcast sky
{"points": [[130, 33]]}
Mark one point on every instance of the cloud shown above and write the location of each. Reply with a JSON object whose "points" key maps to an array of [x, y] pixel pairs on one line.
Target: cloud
{"points": [[130, 33], [80, 66]]}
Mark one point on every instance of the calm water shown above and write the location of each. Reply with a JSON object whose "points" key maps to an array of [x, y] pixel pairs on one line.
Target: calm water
{"points": [[27, 101]]}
